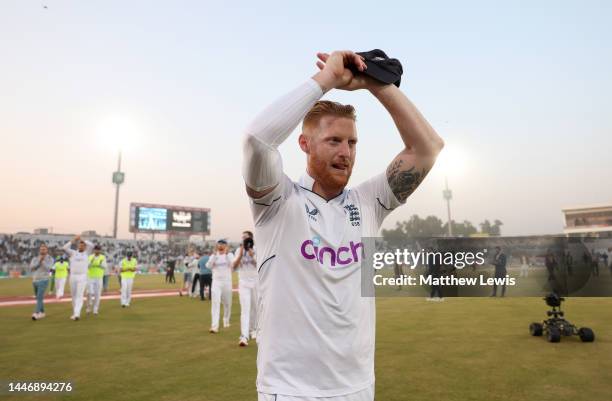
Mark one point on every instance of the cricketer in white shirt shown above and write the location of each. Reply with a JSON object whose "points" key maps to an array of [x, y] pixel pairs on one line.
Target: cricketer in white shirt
{"points": [[315, 332], [220, 263], [79, 263], [246, 265]]}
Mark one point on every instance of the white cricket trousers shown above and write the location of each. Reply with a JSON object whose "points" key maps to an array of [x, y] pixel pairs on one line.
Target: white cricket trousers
{"points": [[221, 293], [94, 291], [78, 282], [60, 283], [247, 292], [366, 394], [126, 290]]}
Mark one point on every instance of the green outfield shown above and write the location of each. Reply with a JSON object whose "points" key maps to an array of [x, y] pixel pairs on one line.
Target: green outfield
{"points": [[23, 286], [461, 349]]}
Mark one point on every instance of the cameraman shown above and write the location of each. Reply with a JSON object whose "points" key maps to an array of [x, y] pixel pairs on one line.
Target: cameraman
{"points": [[246, 264]]}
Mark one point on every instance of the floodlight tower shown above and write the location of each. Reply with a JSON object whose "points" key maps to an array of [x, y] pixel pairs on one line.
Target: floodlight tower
{"points": [[448, 195], [118, 179]]}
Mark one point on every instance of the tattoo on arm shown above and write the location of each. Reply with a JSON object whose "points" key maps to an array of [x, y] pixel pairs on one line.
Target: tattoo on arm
{"points": [[402, 180]]}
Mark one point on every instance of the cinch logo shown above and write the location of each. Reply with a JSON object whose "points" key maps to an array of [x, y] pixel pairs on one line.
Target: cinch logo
{"points": [[342, 256]]}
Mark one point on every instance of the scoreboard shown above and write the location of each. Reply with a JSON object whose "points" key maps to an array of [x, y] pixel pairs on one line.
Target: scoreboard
{"points": [[168, 219]]}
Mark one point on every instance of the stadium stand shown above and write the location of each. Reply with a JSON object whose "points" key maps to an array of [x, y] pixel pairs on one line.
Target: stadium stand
{"points": [[16, 250]]}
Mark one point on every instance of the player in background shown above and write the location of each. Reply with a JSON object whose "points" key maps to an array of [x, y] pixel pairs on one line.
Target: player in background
{"points": [[246, 264], [188, 274], [194, 269], [524, 266], [221, 292], [79, 263], [205, 275], [95, 277], [315, 330], [128, 272], [170, 266], [106, 278], [61, 268]]}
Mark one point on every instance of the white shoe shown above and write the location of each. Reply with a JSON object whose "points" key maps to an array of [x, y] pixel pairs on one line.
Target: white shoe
{"points": [[41, 315], [213, 331], [74, 317], [35, 316], [429, 299], [243, 342], [253, 335]]}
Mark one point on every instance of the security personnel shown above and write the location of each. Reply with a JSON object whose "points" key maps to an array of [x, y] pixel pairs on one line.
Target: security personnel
{"points": [[95, 274], [128, 271], [61, 268]]}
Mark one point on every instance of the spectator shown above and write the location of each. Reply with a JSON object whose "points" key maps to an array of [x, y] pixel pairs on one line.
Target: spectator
{"points": [[41, 268]]}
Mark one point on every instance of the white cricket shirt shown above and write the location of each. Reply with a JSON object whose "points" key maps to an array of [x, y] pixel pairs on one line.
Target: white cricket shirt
{"points": [[247, 269], [79, 261], [221, 266], [316, 333]]}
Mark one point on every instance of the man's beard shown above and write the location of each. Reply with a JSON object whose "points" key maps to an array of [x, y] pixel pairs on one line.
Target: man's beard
{"points": [[320, 170]]}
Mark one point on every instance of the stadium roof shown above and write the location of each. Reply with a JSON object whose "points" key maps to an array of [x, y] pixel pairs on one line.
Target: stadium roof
{"points": [[588, 208]]}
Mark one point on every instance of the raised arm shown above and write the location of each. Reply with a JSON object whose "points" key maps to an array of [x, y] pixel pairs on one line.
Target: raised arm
{"points": [[67, 248], [238, 258], [421, 143], [211, 261], [262, 165], [89, 246]]}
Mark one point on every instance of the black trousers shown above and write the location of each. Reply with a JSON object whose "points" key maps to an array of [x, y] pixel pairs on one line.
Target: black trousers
{"points": [[499, 274], [204, 280], [436, 291]]}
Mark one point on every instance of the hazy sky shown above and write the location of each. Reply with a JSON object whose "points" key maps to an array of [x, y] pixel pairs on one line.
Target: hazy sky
{"points": [[521, 91]]}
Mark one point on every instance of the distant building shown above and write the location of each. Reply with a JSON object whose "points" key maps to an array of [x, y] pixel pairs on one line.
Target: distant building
{"points": [[594, 219]]}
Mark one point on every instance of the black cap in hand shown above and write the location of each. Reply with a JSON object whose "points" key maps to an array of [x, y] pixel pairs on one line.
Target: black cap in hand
{"points": [[381, 67]]}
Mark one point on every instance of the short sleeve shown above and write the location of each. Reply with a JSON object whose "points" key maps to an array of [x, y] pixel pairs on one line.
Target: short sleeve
{"points": [[264, 209], [376, 194]]}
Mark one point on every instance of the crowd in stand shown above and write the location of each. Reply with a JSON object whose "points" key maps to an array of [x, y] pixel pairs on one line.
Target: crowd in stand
{"points": [[17, 250]]}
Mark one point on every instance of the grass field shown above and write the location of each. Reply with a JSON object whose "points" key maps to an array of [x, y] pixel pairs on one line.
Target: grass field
{"points": [[462, 349], [23, 286]]}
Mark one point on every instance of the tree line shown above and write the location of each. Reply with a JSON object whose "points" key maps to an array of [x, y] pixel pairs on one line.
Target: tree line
{"points": [[432, 226]]}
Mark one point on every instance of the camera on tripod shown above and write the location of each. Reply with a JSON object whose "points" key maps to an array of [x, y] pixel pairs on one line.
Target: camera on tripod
{"points": [[556, 325]]}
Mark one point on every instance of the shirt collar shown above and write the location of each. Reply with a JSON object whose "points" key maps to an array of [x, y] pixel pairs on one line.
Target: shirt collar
{"points": [[306, 181]]}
